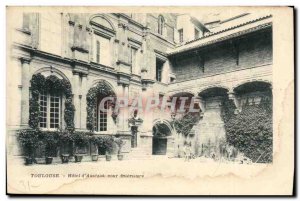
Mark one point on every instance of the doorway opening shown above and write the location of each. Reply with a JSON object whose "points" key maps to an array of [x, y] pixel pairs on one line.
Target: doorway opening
{"points": [[161, 131]]}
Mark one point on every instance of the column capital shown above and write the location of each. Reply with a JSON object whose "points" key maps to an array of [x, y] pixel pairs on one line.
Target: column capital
{"points": [[231, 94]]}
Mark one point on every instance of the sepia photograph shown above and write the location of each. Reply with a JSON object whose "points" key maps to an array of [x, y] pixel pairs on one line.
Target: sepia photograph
{"points": [[150, 100]]}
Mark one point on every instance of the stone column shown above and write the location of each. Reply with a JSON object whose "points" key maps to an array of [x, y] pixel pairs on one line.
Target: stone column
{"points": [[77, 99], [125, 109], [25, 91], [84, 91]]}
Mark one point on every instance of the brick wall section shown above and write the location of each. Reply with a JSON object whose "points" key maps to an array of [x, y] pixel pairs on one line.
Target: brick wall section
{"points": [[170, 24], [254, 50]]}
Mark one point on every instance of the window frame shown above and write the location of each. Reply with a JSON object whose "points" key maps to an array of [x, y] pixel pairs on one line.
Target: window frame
{"points": [[97, 121], [159, 72], [180, 33], [48, 111]]}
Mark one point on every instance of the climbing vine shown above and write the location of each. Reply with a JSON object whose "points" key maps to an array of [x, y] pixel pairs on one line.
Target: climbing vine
{"points": [[54, 85], [250, 131], [185, 124], [92, 98]]}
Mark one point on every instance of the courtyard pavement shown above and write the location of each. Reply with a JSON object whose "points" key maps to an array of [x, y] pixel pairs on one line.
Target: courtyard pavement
{"points": [[36, 176]]}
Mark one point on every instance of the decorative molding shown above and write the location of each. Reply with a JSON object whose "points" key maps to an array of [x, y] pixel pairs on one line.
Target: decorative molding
{"points": [[99, 26], [123, 62], [80, 49], [25, 60], [25, 31], [135, 41]]}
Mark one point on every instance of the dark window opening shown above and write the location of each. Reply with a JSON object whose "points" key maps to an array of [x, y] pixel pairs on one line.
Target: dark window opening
{"points": [[159, 69], [180, 32], [201, 64]]}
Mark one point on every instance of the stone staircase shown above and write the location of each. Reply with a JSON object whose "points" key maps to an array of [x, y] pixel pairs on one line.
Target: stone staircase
{"points": [[138, 154]]}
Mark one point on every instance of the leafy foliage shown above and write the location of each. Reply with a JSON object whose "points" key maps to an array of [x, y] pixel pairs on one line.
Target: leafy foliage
{"points": [[119, 143], [251, 130], [51, 141], [29, 141], [92, 96], [81, 139], [105, 143], [186, 123], [54, 85]]}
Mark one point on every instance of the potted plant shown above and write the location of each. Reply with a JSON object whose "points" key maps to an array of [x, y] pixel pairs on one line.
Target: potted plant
{"points": [[28, 140], [51, 143], [108, 144], [65, 140], [81, 140], [120, 144], [95, 141]]}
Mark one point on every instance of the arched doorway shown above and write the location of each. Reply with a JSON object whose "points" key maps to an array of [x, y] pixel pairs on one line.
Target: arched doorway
{"points": [[161, 133]]}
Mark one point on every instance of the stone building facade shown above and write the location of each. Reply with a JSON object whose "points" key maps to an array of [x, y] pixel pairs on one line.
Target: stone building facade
{"points": [[134, 55]]}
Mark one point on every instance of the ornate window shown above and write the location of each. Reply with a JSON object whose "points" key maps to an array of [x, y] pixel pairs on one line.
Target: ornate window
{"points": [[102, 40], [50, 110], [161, 24], [101, 119]]}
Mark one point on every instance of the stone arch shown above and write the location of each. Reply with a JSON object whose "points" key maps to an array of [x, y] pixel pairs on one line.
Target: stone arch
{"points": [[52, 71], [163, 121], [182, 94], [252, 92], [171, 94], [162, 136], [215, 90], [252, 81], [102, 20], [97, 81]]}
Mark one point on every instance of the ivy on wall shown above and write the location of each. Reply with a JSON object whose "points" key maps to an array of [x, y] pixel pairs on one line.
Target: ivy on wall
{"points": [[250, 131], [101, 89], [52, 85], [185, 124]]}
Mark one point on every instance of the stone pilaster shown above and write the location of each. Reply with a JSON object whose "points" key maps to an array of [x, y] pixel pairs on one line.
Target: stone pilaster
{"points": [[122, 94], [77, 98], [25, 90], [84, 91]]}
